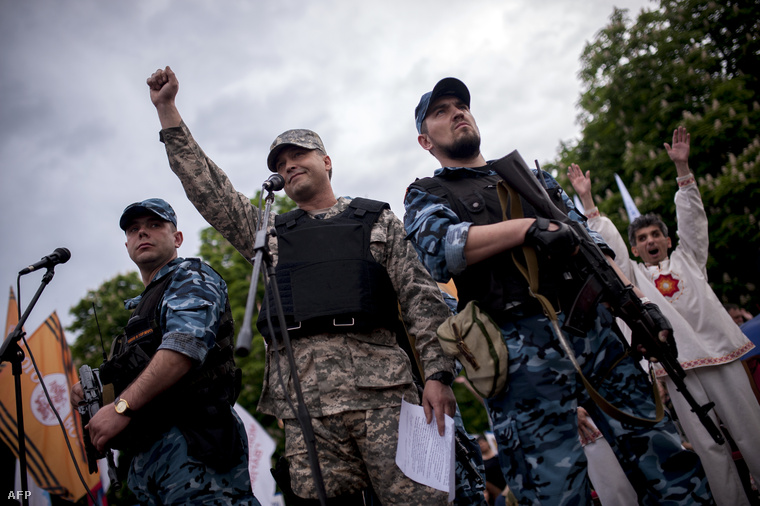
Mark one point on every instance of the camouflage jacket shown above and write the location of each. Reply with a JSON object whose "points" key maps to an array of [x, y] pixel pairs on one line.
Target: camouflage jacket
{"points": [[337, 372], [191, 308]]}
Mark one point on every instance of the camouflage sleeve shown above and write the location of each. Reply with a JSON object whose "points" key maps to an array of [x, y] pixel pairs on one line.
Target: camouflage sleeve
{"points": [[191, 309], [210, 190], [436, 232], [422, 306]]}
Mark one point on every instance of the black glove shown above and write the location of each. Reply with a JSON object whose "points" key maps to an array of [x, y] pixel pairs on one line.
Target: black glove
{"points": [[660, 323], [554, 244]]}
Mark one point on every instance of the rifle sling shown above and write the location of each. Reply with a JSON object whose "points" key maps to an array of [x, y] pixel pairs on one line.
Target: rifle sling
{"points": [[509, 198]]}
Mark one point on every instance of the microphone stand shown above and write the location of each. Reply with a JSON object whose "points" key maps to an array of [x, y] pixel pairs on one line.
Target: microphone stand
{"points": [[242, 349], [261, 249], [12, 352]]}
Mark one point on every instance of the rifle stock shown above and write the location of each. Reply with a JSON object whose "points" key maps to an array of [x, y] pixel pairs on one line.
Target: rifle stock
{"points": [[87, 409], [89, 378], [593, 278]]}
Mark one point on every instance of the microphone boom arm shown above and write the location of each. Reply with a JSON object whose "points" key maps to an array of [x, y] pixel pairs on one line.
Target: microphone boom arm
{"points": [[245, 336]]}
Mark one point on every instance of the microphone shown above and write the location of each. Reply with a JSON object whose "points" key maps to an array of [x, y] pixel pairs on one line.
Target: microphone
{"points": [[275, 183], [59, 256]]}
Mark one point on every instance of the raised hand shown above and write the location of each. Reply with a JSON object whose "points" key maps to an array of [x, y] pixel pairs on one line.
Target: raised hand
{"points": [[580, 181], [582, 184], [679, 151], [164, 85]]}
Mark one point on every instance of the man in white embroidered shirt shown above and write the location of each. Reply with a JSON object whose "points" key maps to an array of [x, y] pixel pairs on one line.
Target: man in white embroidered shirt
{"points": [[709, 343]]}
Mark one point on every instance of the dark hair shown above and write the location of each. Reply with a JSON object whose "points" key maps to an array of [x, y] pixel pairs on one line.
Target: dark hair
{"points": [[643, 221]]}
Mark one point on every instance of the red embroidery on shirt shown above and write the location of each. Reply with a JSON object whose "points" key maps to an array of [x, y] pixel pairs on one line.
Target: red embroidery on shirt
{"points": [[667, 285], [686, 181]]}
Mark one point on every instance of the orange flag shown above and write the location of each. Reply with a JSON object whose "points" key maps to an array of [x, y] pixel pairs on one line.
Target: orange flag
{"points": [[12, 319], [47, 455]]}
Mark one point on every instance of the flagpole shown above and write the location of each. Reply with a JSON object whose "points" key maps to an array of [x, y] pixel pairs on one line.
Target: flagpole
{"points": [[12, 352]]}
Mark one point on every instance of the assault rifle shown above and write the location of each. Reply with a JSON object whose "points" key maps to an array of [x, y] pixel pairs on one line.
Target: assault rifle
{"points": [[596, 281], [93, 400]]}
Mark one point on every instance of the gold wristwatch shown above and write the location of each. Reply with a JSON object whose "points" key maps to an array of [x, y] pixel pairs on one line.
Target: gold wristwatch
{"points": [[122, 407]]}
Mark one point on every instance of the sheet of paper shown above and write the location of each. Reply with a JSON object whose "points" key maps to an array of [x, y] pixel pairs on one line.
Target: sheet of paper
{"points": [[422, 454]]}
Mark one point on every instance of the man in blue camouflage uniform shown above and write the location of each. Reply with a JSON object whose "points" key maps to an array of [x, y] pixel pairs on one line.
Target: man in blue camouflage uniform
{"points": [[535, 417], [175, 376], [351, 370]]}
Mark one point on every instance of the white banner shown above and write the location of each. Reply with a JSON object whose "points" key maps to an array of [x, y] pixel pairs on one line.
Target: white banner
{"points": [[630, 206], [261, 446]]}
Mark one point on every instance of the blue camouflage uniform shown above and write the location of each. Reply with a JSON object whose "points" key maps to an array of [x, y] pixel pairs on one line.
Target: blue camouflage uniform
{"points": [[190, 314], [534, 420]]}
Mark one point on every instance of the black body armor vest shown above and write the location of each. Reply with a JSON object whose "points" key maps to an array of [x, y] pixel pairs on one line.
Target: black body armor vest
{"points": [[199, 404], [326, 275], [495, 282]]}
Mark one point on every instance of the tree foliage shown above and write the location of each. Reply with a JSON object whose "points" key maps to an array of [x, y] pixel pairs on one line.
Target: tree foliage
{"points": [[101, 313], [690, 63]]}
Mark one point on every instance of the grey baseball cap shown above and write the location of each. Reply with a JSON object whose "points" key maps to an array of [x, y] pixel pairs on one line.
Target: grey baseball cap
{"points": [[158, 207], [446, 86], [298, 137]]}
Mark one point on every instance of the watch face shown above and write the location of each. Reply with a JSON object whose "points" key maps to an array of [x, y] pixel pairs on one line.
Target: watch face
{"points": [[121, 406]]}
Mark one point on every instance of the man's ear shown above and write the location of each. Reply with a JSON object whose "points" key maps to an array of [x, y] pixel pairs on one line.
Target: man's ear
{"points": [[328, 163], [424, 141], [670, 243], [178, 239], [635, 251]]}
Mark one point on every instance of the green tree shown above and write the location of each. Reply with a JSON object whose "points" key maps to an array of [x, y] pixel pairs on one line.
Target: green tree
{"points": [[472, 409], [691, 63], [101, 314]]}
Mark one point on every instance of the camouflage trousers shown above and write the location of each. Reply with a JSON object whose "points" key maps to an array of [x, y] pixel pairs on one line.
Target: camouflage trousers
{"points": [[355, 449], [166, 474], [535, 420]]}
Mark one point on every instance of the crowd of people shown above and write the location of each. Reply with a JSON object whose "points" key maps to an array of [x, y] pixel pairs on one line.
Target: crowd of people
{"points": [[348, 275]]}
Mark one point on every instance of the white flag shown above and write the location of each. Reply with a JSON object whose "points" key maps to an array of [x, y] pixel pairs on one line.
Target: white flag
{"points": [[261, 446], [630, 206], [578, 204]]}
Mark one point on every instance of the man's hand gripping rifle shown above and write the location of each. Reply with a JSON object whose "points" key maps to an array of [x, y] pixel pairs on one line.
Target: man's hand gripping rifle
{"points": [[597, 281], [90, 404]]}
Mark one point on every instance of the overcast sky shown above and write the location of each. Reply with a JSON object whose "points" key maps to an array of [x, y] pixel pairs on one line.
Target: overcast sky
{"points": [[79, 135]]}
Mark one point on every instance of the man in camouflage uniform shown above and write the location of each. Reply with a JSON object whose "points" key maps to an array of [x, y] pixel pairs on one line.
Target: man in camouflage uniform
{"points": [[353, 378], [174, 373], [455, 222]]}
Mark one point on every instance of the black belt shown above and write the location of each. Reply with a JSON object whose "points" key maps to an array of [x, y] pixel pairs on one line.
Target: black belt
{"points": [[330, 325]]}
